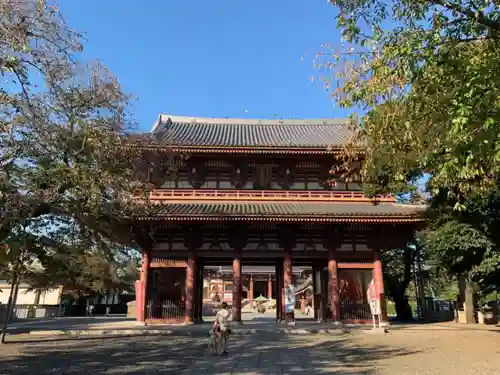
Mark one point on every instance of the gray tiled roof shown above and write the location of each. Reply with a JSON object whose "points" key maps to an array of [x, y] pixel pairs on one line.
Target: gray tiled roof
{"points": [[227, 132], [296, 209]]}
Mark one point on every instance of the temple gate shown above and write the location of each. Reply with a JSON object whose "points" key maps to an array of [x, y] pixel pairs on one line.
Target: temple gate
{"points": [[257, 193]]}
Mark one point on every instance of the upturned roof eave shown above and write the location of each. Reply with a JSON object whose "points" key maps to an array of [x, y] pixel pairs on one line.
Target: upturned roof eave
{"points": [[313, 150], [288, 211], [388, 219]]}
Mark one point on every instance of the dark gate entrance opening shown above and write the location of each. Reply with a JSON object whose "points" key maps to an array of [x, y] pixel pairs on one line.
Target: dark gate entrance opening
{"points": [[167, 295], [259, 283], [256, 291]]}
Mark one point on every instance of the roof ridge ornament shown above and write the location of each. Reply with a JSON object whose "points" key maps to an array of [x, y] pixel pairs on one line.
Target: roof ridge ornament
{"points": [[253, 121]]}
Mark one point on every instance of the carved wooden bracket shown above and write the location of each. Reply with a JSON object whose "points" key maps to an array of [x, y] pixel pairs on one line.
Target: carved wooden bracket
{"points": [[375, 238], [334, 236], [216, 243], [324, 177], [286, 236], [286, 173], [388, 237], [197, 173], [155, 173], [144, 236], [262, 245], [239, 175], [193, 237], [238, 236]]}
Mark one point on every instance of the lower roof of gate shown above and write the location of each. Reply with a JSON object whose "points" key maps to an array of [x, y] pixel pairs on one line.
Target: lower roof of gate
{"points": [[289, 211]]}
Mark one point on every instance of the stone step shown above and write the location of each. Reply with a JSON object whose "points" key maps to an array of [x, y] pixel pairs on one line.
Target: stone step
{"points": [[199, 331]]}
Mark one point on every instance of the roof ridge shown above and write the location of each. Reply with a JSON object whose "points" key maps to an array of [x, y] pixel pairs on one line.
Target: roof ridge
{"points": [[164, 118]]}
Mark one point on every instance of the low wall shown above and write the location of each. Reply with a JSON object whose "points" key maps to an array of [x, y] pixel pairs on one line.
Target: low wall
{"points": [[439, 311], [439, 316], [82, 310], [3, 311], [33, 311], [131, 310], [37, 311]]}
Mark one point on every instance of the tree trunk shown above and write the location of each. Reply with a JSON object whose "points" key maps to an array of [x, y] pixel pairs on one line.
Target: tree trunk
{"points": [[403, 309], [461, 289], [397, 285], [421, 284], [469, 303], [14, 298], [466, 297], [10, 303]]}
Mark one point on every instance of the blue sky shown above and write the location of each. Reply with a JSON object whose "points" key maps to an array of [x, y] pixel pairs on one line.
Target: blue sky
{"points": [[211, 58]]}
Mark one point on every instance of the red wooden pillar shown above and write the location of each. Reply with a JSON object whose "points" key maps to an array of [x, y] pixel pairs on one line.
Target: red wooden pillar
{"points": [[146, 263], [237, 287], [202, 271], [195, 291], [141, 301], [190, 288], [269, 288], [279, 291], [334, 285], [324, 292], [250, 290], [198, 307], [319, 286], [288, 278], [378, 279], [316, 291]]}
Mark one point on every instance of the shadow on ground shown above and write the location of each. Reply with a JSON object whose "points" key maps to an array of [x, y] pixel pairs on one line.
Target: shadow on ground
{"points": [[140, 355]]}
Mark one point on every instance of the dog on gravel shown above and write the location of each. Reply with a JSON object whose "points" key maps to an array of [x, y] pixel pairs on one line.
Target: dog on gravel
{"points": [[214, 341]]}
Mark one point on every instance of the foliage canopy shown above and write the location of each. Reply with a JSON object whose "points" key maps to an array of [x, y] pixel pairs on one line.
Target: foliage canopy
{"points": [[425, 75], [425, 71], [64, 137]]}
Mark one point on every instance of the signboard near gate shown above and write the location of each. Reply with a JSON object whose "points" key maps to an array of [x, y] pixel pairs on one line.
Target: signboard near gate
{"points": [[371, 293], [374, 301], [375, 307]]}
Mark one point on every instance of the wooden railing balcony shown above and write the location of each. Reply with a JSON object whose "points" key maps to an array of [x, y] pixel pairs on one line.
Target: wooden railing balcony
{"points": [[168, 195]]}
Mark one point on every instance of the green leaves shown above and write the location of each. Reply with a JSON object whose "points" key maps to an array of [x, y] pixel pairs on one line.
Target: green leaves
{"points": [[82, 269], [459, 246], [430, 89], [426, 73]]}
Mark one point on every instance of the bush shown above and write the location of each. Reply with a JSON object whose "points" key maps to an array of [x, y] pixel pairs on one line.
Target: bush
{"points": [[261, 309]]}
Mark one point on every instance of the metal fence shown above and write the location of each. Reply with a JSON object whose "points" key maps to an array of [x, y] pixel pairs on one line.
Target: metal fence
{"points": [[351, 311], [166, 310]]}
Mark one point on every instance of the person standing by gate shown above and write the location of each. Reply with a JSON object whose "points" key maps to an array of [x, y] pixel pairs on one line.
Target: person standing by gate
{"points": [[221, 324]]}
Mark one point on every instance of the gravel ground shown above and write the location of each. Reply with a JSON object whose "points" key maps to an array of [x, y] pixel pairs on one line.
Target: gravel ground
{"points": [[416, 350], [430, 350]]}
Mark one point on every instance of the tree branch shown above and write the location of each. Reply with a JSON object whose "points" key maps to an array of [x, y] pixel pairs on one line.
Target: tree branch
{"points": [[478, 16]]}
